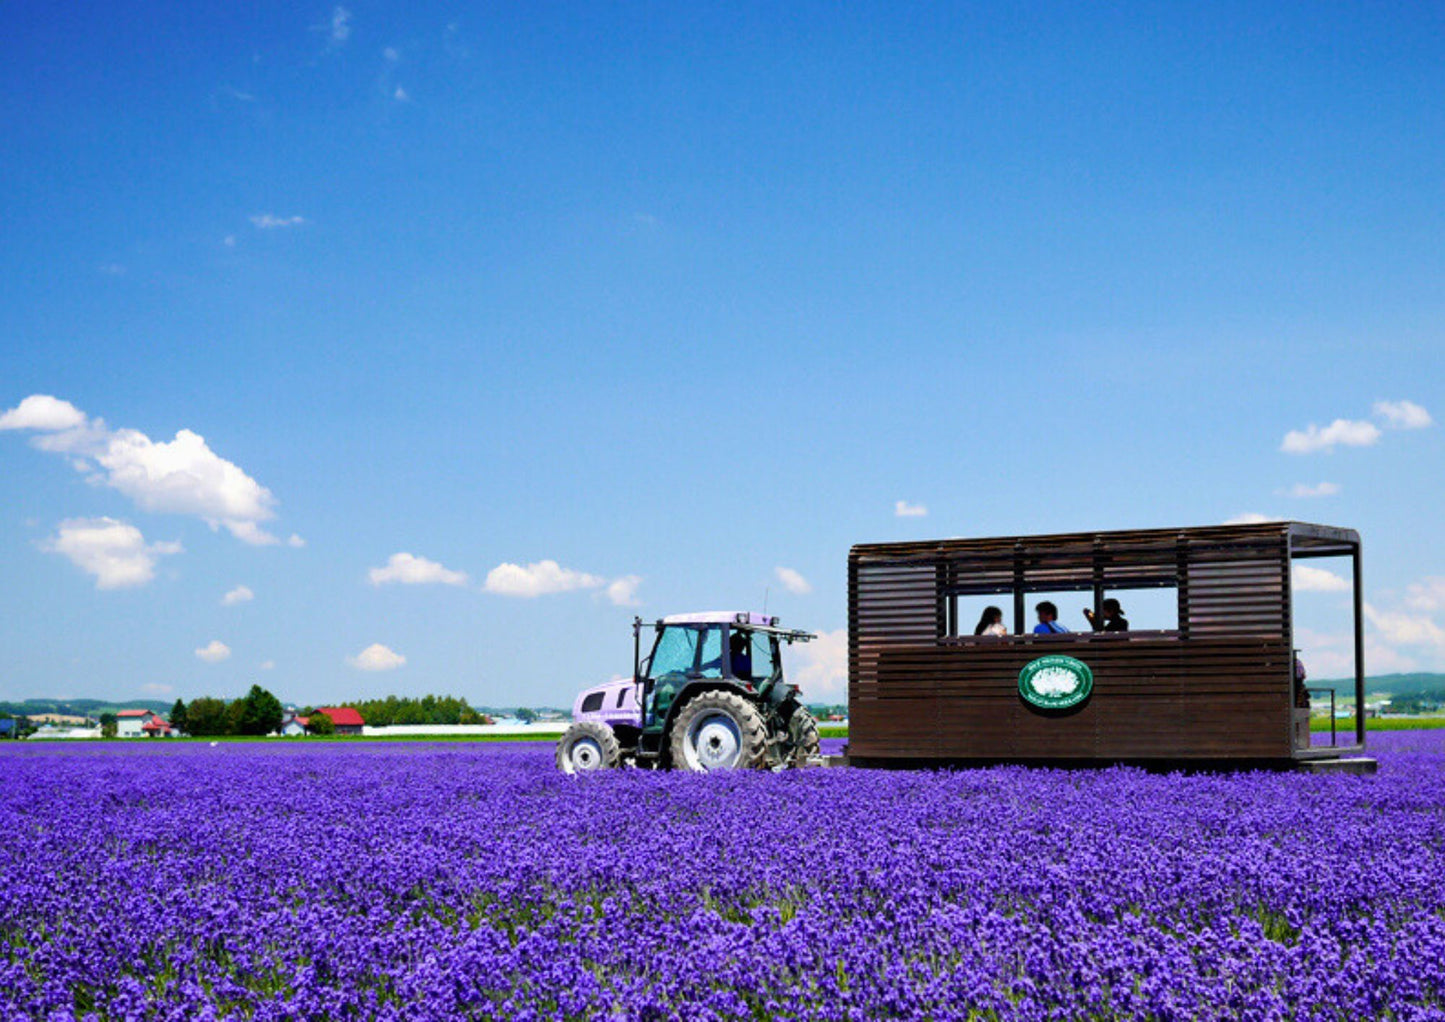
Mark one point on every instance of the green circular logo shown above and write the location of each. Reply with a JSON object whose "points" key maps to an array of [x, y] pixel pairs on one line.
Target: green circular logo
{"points": [[1055, 682]]}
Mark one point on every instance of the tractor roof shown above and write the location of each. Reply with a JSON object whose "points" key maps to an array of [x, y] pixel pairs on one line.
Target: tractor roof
{"points": [[720, 617]]}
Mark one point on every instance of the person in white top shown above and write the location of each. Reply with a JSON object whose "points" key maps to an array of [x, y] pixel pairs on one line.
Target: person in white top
{"points": [[991, 622]]}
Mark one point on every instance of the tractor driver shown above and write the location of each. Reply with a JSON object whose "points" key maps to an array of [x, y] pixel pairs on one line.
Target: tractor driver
{"points": [[740, 658], [740, 654]]}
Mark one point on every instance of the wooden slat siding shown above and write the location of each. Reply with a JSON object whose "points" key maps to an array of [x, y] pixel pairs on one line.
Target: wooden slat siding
{"points": [[1218, 688]]}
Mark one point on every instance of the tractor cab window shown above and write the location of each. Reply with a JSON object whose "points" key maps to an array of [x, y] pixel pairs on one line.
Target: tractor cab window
{"points": [[676, 651], [754, 655], [712, 661]]}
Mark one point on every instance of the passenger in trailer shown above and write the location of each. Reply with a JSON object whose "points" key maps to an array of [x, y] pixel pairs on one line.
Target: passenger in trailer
{"points": [[991, 622], [1112, 620], [1048, 620]]}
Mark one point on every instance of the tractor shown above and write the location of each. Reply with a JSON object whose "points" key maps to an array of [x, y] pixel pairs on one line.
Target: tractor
{"points": [[709, 696]]}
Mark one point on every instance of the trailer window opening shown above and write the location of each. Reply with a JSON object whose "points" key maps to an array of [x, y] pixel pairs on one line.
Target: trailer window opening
{"points": [[1152, 608]]}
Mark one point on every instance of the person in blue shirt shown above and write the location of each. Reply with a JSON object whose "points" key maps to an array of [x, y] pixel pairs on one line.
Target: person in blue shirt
{"points": [[1048, 620]]}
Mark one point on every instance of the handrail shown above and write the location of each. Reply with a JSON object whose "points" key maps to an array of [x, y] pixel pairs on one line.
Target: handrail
{"points": [[1310, 690]]}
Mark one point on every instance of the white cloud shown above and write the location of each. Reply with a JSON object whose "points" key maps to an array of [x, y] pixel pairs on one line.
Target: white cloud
{"points": [[400, 95], [1309, 579], [903, 509], [237, 94], [43, 412], [1427, 595], [270, 222], [158, 688], [1326, 655], [391, 54], [1403, 414], [1249, 518], [1405, 629], [241, 594], [1306, 491], [537, 579], [229, 241], [793, 582], [114, 552], [411, 570], [268, 665], [340, 25], [1342, 432], [180, 476], [213, 652], [623, 591], [296, 541], [376, 657], [820, 668]]}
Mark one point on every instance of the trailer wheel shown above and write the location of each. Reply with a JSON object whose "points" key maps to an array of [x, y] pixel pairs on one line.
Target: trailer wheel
{"points": [[587, 746], [803, 737], [718, 731]]}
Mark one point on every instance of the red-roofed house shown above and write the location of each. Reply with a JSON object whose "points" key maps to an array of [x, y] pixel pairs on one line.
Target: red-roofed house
{"points": [[294, 725], [131, 723], [347, 720], [157, 727]]}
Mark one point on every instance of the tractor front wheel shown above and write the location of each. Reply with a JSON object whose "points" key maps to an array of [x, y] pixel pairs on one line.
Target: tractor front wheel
{"points": [[587, 746], [718, 731]]}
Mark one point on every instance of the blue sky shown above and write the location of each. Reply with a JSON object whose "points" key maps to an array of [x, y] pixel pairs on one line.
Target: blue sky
{"points": [[675, 297]]}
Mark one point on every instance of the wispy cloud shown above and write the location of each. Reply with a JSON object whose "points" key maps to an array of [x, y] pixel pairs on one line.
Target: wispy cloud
{"points": [[1250, 518], [903, 509], [538, 579], [114, 552], [793, 582], [236, 94], [240, 594], [1307, 491], [1309, 579], [1341, 432], [340, 25], [1403, 414], [408, 569], [377, 657], [391, 55], [623, 591], [213, 652], [820, 668], [179, 476], [271, 222], [401, 95]]}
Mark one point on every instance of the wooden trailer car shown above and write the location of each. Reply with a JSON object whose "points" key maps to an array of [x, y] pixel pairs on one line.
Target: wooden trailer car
{"points": [[1219, 687]]}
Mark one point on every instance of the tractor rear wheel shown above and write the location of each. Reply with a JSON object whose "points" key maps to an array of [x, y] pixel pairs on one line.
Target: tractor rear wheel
{"points": [[718, 731], [588, 746], [803, 738]]}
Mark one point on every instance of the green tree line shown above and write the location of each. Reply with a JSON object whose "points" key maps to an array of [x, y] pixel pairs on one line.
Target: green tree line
{"points": [[428, 709], [258, 712]]}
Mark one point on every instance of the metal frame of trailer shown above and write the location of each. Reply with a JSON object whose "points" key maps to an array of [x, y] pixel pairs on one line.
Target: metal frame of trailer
{"points": [[1217, 689]]}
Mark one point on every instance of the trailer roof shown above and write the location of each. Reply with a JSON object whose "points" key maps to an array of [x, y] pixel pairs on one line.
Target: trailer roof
{"points": [[1302, 536]]}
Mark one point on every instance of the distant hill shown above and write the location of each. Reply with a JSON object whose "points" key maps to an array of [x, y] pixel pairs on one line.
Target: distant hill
{"points": [[1418, 684], [80, 707]]}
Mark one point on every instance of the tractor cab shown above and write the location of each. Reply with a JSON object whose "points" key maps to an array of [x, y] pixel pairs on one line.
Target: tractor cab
{"points": [[691, 652], [709, 694]]}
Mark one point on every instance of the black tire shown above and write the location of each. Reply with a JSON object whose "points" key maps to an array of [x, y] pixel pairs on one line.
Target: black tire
{"points": [[803, 738], [718, 731], [586, 747]]}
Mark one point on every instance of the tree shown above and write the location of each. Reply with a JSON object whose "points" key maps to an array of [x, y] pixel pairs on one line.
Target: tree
{"points": [[260, 712], [109, 725], [320, 724], [207, 716], [178, 716], [526, 716]]}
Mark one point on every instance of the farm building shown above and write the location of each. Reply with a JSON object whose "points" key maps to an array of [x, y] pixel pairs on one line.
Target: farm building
{"points": [[1216, 681], [131, 723], [347, 719], [294, 725]]}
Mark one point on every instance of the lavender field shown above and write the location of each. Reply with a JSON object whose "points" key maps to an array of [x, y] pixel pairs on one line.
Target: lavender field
{"points": [[403, 881]]}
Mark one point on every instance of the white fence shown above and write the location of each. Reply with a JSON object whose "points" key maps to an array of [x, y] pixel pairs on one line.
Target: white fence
{"points": [[547, 728]]}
